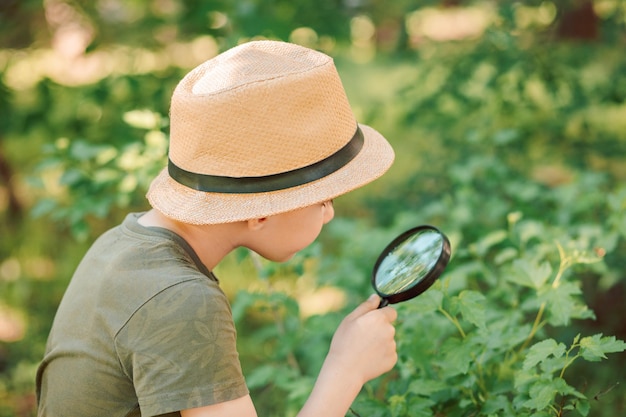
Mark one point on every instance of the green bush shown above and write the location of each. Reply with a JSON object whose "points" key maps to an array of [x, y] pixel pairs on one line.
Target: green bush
{"points": [[512, 143]]}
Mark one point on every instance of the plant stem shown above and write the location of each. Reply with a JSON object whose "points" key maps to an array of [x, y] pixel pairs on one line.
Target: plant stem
{"points": [[536, 326], [563, 265], [556, 411], [480, 380], [568, 363], [453, 320]]}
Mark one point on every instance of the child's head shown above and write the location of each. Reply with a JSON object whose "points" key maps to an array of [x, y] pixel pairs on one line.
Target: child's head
{"points": [[262, 129]]}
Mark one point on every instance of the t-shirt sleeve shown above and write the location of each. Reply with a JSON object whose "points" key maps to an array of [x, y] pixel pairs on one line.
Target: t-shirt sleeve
{"points": [[180, 350]]}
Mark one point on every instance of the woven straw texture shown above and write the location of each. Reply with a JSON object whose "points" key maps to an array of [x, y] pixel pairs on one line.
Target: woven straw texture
{"points": [[262, 108]]}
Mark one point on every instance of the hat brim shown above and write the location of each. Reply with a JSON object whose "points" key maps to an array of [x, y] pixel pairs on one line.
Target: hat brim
{"points": [[187, 205]]}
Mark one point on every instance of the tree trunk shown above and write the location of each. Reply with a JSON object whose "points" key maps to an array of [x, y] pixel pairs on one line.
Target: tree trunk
{"points": [[14, 207], [579, 22]]}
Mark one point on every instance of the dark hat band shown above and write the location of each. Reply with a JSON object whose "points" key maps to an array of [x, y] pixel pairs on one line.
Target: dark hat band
{"points": [[274, 182]]}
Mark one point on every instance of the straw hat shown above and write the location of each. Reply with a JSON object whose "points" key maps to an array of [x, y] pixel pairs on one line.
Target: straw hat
{"points": [[262, 129]]}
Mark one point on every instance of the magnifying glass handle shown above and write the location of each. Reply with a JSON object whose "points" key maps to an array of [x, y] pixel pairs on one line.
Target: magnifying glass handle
{"points": [[383, 303]]}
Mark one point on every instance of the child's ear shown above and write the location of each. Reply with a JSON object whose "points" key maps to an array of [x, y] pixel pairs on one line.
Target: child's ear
{"points": [[257, 224]]}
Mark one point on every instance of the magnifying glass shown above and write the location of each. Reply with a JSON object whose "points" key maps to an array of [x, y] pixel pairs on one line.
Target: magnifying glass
{"points": [[410, 264]]}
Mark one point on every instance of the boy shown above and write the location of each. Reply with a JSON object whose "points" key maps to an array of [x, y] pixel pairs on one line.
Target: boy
{"points": [[262, 139]]}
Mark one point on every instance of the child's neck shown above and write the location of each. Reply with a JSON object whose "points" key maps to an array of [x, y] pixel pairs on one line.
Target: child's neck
{"points": [[211, 242]]}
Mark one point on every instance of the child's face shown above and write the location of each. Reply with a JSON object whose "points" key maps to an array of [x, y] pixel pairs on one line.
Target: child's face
{"points": [[286, 234]]}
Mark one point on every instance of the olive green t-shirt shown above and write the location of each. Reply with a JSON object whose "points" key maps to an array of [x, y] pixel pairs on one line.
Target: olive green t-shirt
{"points": [[143, 330]]}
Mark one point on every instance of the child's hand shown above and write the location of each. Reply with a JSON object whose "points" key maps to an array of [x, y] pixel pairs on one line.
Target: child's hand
{"points": [[364, 344], [362, 349]]}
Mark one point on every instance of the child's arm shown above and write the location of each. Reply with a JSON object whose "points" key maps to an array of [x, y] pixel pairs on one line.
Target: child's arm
{"points": [[362, 348], [241, 407]]}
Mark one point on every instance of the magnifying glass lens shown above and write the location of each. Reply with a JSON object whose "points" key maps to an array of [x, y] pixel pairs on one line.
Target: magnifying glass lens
{"points": [[410, 264]]}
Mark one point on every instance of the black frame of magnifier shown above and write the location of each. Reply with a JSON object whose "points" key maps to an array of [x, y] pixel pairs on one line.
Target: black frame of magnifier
{"points": [[427, 281]]}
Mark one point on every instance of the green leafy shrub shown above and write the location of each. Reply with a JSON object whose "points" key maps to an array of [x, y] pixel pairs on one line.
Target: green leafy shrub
{"points": [[102, 176], [515, 155], [497, 336], [483, 341], [512, 145]]}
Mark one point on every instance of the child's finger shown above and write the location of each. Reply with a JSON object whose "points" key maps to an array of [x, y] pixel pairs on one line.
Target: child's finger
{"points": [[390, 313], [368, 305]]}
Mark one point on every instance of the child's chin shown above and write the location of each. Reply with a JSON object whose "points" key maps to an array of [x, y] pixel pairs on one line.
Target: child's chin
{"points": [[284, 258]]}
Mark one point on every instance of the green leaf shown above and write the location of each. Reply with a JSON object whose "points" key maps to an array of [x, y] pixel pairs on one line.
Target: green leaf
{"points": [[430, 300], [301, 388], [505, 255], [541, 393], [595, 348], [481, 247], [495, 404], [583, 407], [562, 303], [552, 365], [541, 351], [531, 229], [505, 136], [43, 207], [83, 151], [71, 177], [420, 306], [530, 274], [241, 253], [397, 405], [565, 389], [579, 402], [426, 387], [241, 303], [505, 333], [456, 357], [419, 407], [472, 306], [367, 406], [262, 375], [523, 379]]}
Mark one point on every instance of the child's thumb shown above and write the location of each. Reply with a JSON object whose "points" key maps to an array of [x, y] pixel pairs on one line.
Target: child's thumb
{"points": [[366, 306]]}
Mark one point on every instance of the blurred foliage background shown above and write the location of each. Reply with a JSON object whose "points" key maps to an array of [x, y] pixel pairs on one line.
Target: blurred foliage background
{"points": [[509, 122]]}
